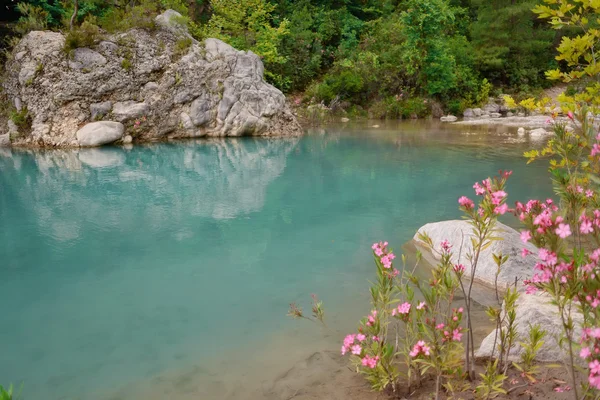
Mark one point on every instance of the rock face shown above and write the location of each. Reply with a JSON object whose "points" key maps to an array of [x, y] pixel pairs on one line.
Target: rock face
{"points": [[146, 81], [100, 133], [459, 232], [534, 309]]}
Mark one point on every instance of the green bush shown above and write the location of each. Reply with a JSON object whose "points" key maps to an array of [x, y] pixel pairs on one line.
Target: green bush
{"points": [[182, 46], [130, 16], [33, 18], [87, 35]]}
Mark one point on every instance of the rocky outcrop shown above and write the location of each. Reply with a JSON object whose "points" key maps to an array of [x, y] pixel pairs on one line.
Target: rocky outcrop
{"points": [[159, 84], [534, 309], [459, 234]]}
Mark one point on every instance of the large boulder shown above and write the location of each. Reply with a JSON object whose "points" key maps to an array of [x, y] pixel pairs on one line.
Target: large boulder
{"points": [[459, 233], [100, 133], [147, 80], [534, 309]]}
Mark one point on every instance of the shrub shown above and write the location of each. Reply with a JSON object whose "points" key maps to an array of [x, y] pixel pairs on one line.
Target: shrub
{"points": [[182, 46], [86, 35], [33, 18], [22, 119]]}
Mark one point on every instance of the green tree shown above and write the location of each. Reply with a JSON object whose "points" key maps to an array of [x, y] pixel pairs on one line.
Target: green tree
{"points": [[512, 47], [579, 50], [249, 25]]}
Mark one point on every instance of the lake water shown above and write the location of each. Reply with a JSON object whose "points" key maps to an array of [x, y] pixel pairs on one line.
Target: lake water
{"points": [[166, 270]]}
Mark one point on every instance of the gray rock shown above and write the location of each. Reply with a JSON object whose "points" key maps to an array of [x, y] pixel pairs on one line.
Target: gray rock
{"points": [[12, 127], [520, 114], [491, 107], [18, 104], [495, 115], [127, 139], [510, 114], [477, 112], [88, 59], [100, 109], [459, 232], [468, 113], [172, 21], [539, 132], [448, 118], [521, 131], [100, 133], [126, 110], [202, 110], [5, 140], [151, 86], [186, 121], [344, 119], [534, 309]]}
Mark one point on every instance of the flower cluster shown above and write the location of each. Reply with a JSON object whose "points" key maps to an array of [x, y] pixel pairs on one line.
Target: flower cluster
{"points": [[420, 348], [590, 353], [402, 310], [494, 197], [386, 257]]}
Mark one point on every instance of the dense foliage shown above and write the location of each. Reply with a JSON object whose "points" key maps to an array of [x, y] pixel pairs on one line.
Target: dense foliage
{"points": [[397, 58]]}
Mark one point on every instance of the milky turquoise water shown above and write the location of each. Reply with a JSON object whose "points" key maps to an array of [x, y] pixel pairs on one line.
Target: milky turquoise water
{"points": [[120, 267]]}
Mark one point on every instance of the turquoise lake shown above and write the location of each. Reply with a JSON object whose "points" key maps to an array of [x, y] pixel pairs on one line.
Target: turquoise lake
{"points": [[165, 271]]}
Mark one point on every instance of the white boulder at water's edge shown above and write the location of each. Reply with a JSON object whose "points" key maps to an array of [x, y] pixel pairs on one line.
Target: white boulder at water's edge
{"points": [[459, 233], [534, 309], [100, 133]]}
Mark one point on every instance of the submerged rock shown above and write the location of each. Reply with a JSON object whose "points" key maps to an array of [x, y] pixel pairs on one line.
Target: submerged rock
{"points": [[144, 74], [459, 234], [534, 309], [449, 118], [539, 132]]}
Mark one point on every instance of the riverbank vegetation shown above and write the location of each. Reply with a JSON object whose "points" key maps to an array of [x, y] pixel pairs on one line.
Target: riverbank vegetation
{"points": [[382, 58]]}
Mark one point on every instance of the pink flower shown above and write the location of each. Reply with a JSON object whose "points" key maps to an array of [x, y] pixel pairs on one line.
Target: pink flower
{"points": [[446, 246], [501, 210], [404, 308], [376, 338], [344, 350], [595, 149], [349, 340], [465, 202], [525, 253], [594, 367], [456, 335], [589, 193], [525, 236], [459, 268], [421, 305], [440, 326], [356, 349], [585, 353], [479, 190], [586, 227], [570, 115], [385, 260], [563, 230], [360, 337]]}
